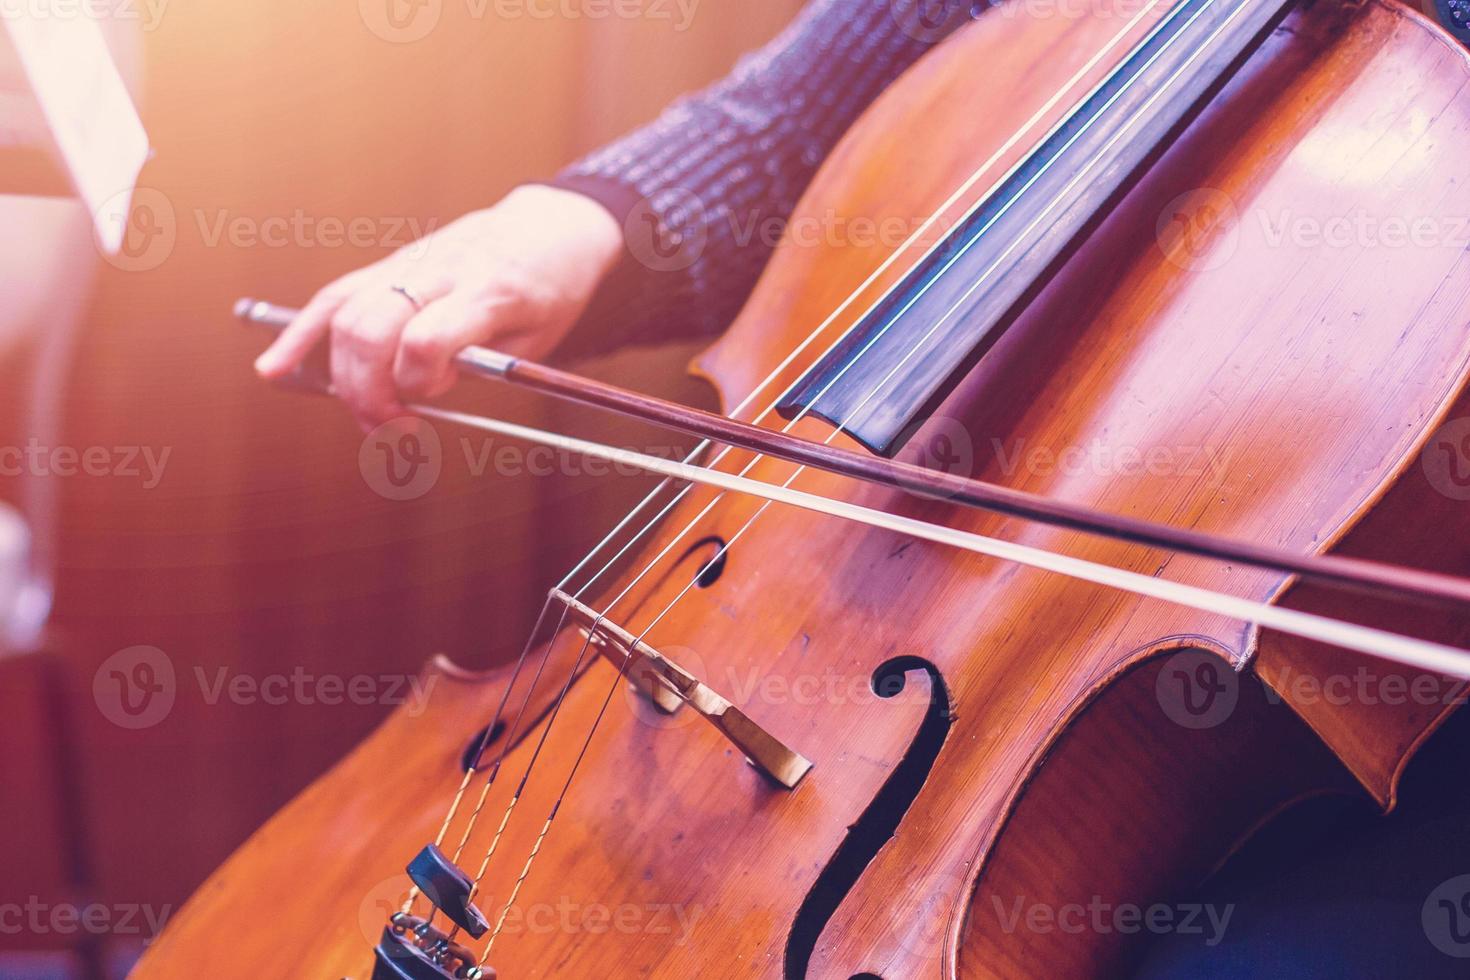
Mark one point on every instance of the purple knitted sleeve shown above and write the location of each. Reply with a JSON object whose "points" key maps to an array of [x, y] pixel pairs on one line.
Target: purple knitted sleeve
{"points": [[699, 189]]}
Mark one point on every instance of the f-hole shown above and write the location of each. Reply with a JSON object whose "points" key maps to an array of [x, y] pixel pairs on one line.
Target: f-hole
{"points": [[882, 817], [714, 566], [474, 750]]}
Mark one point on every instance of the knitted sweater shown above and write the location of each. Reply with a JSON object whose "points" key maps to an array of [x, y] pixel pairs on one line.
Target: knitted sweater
{"points": [[697, 190]]}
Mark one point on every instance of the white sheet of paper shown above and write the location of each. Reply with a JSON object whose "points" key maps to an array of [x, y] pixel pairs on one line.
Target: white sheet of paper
{"points": [[87, 107]]}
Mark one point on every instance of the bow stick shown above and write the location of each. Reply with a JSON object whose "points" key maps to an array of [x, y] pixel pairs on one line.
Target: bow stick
{"points": [[1358, 573]]}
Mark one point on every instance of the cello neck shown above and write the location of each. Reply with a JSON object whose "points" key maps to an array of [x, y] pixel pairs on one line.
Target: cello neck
{"points": [[909, 351]]}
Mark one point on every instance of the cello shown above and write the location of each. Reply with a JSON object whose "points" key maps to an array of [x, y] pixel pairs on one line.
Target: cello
{"points": [[786, 721]]}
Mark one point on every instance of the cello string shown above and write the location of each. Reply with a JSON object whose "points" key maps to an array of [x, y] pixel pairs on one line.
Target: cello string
{"points": [[1161, 90], [511, 733], [1408, 651], [943, 208], [790, 358], [700, 516], [839, 429], [880, 387], [979, 281], [603, 614], [473, 767]]}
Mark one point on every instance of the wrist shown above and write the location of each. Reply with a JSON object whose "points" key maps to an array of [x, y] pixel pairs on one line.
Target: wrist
{"points": [[589, 227]]}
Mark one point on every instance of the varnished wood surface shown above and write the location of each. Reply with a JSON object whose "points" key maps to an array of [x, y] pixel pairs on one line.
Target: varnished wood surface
{"points": [[1284, 390]]}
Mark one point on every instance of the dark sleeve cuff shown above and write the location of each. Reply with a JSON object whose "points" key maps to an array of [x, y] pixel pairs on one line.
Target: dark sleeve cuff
{"points": [[624, 310], [618, 198]]}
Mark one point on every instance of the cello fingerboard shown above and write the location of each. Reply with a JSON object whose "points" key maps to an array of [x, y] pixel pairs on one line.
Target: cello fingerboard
{"points": [[910, 350]]}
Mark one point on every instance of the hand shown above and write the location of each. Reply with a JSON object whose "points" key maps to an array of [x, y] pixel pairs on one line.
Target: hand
{"points": [[514, 277]]}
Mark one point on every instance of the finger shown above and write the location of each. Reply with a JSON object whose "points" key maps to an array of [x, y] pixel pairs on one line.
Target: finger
{"points": [[424, 365], [304, 332], [364, 339]]}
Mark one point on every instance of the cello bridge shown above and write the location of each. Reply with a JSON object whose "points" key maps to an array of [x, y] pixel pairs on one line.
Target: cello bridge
{"points": [[670, 686]]}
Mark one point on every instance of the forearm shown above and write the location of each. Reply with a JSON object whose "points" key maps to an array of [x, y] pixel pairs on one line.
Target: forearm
{"points": [[697, 190]]}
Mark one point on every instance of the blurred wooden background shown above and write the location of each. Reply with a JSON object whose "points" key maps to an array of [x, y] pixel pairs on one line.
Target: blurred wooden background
{"points": [[262, 549]]}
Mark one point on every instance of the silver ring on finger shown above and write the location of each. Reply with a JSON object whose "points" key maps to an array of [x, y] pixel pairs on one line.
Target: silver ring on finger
{"points": [[410, 295]]}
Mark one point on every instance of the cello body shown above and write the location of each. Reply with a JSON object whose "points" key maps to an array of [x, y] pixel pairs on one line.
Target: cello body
{"points": [[992, 746]]}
